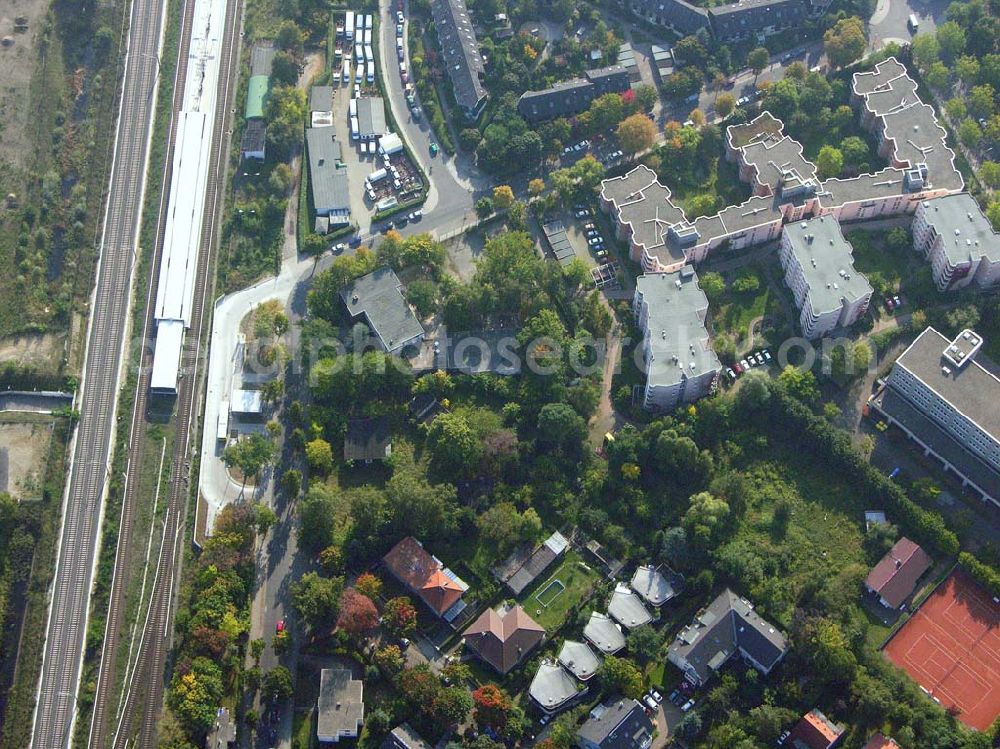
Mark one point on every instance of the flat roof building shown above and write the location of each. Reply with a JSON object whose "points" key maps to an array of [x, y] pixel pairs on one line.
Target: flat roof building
{"points": [[371, 118], [246, 402], [328, 176], [678, 358], [943, 395], [257, 90], [404, 737], [552, 688], [819, 269], [378, 298], [254, 141], [954, 234], [340, 707], [460, 53]]}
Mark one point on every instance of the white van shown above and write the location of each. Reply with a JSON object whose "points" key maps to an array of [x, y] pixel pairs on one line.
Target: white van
{"points": [[353, 108], [369, 55], [349, 25], [370, 72], [359, 73], [368, 21], [359, 53], [368, 36], [354, 128], [345, 72]]}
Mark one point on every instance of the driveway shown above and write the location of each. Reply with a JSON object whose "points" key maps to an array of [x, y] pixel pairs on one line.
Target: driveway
{"points": [[889, 21]]}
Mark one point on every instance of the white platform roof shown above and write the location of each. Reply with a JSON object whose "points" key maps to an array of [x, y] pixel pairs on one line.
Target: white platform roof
{"points": [[167, 356]]}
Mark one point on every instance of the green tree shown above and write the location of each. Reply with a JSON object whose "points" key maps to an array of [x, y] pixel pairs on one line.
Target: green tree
{"points": [[967, 69], [357, 613], [970, 133], [315, 598], [561, 425], [829, 162], [758, 59], [621, 676], [725, 104], [277, 685], [951, 39], [937, 76], [417, 506], [454, 447], [982, 100], [713, 285], [989, 172], [854, 150], [317, 515], [705, 517], [194, 695], [801, 383], [925, 50], [250, 454], [502, 526], [845, 42], [503, 197], [956, 108], [644, 643], [400, 616], [319, 456]]}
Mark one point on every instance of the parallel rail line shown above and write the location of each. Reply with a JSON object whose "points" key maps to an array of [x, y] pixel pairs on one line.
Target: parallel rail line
{"points": [[55, 709]]}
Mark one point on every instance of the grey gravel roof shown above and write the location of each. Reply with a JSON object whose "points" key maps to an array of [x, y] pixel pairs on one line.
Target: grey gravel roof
{"points": [[261, 58], [371, 116], [604, 634], [340, 706], [652, 585], [827, 263], [965, 230], [626, 608], [327, 177], [579, 659], [552, 686]]}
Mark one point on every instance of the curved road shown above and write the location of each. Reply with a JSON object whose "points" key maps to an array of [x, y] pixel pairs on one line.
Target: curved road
{"points": [[83, 503]]}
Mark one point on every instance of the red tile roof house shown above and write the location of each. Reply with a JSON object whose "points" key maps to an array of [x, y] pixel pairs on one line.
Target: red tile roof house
{"points": [[814, 731], [504, 637], [878, 741], [896, 574], [426, 577]]}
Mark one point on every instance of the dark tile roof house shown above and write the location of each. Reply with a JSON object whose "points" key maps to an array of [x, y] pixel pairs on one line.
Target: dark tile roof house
{"points": [[521, 570], [503, 638], [425, 576], [460, 53], [367, 440], [896, 574], [681, 16], [814, 731], [404, 737], [728, 625], [619, 723], [252, 145], [571, 97], [749, 18], [378, 297], [340, 706], [328, 175]]}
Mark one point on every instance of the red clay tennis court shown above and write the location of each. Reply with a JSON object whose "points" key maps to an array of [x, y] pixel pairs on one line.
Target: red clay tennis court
{"points": [[951, 648]]}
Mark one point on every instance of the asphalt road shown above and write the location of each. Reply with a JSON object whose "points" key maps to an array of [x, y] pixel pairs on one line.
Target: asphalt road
{"points": [[55, 709], [889, 21]]}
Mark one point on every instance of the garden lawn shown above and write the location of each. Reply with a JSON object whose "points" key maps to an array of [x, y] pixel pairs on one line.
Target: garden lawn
{"points": [[720, 179], [734, 313], [901, 271], [578, 582], [821, 539]]}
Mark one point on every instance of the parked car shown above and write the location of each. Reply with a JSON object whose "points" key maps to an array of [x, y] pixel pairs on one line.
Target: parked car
{"points": [[355, 241], [434, 149], [674, 695], [279, 627], [339, 247], [594, 240], [730, 374], [687, 705], [649, 702], [592, 232], [738, 368], [760, 359], [897, 302], [743, 101], [601, 254], [745, 364], [416, 215], [889, 304], [767, 356], [783, 737], [656, 696], [399, 16], [582, 213], [399, 29]]}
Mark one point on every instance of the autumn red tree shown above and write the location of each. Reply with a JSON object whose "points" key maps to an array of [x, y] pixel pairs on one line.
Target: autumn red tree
{"points": [[357, 612], [492, 705], [209, 641], [420, 686], [400, 616]]}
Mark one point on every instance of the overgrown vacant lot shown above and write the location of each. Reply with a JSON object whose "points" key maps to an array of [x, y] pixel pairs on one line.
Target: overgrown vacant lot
{"points": [[803, 524]]}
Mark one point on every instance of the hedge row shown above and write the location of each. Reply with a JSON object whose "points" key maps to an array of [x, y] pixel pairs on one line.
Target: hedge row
{"points": [[986, 575], [788, 415]]}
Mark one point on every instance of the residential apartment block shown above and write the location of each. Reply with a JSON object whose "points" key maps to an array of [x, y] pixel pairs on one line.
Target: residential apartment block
{"points": [[943, 395], [460, 54], [571, 97], [959, 241], [747, 19], [819, 270], [680, 364]]}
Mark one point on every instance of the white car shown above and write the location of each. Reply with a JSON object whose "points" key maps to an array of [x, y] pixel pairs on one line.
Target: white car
{"points": [[650, 703], [687, 706], [582, 213], [656, 696], [594, 241], [399, 16]]}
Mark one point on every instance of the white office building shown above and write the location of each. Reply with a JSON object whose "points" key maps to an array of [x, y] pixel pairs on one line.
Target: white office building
{"points": [[943, 394], [819, 270]]}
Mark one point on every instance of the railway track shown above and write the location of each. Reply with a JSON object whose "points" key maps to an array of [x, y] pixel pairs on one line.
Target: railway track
{"points": [[91, 453], [107, 674], [147, 696]]}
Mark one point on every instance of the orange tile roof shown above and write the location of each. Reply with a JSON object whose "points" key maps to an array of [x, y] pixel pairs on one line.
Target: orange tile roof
{"points": [[878, 741], [419, 571], [440, 591]]}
